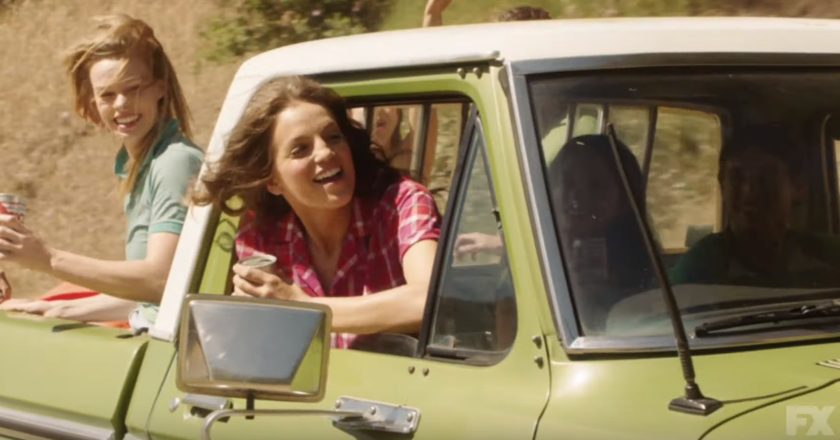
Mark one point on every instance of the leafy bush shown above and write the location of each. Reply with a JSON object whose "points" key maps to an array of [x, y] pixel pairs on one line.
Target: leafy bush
{"points": [[248, 26]]}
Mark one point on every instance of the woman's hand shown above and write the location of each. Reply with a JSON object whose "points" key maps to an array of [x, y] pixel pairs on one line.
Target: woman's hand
{"points": [[5, 287], [248, 281], [96, 308], [20, 245], [26, 305], [477, 242]]}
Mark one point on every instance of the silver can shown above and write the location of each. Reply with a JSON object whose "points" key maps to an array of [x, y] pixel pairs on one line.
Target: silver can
{"points": [[263, 262], [13, 204]]}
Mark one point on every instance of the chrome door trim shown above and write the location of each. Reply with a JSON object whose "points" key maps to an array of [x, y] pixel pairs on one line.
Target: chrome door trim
{"points": [[51, 427]]}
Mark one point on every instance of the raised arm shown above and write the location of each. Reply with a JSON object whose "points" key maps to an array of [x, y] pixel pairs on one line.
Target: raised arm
{"points": [[433, 13]]}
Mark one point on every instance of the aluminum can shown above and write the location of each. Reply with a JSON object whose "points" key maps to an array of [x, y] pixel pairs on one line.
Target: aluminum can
{"points": [[13, 204], [263, 262]]}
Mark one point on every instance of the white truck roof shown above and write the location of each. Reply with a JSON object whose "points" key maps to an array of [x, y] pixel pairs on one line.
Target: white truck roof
{"points": [[546, 39]]}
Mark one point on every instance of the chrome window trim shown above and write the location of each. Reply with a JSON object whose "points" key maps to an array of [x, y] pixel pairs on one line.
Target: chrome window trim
{"points": [[536, 194], [686, 60], [50, 427]]}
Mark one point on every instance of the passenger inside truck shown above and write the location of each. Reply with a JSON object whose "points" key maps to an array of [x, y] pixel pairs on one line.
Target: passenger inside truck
{"points": [[761, 181]]}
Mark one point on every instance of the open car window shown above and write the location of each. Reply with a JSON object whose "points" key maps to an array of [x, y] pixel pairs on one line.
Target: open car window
{"points": [[419, 139], [734, 170], [474, 309]]}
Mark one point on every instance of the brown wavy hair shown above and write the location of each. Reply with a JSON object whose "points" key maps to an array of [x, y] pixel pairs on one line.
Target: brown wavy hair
{"points": [[122, 37], [246, 166]]}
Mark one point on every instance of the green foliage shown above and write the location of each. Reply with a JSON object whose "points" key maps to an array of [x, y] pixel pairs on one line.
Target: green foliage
{"points": [[408, 13], [248, 26]]}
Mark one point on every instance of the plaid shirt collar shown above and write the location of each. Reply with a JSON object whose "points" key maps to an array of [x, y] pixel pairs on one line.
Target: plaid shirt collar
{"points": [[360, 224]]}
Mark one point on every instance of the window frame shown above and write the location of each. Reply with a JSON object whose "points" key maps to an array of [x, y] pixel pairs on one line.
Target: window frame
{"points": [[473, 145], [425, 102]]}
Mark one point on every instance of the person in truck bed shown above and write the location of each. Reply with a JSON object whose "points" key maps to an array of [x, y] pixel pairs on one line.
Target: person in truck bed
{"points": [[123, 82]]}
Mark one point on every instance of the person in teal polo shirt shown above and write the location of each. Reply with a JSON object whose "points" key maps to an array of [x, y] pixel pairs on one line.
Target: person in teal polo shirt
{"points": [[761, 183], [123, 82]]}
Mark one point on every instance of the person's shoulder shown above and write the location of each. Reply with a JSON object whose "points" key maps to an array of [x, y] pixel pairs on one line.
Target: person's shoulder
{"points": [[405, 188], [710, 242], [697, 263], [820, 243], [181, 154], [181, 149], [399, 197]]}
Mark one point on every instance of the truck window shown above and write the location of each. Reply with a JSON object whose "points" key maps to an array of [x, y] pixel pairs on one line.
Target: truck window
{"points": [[419, 139], [474, 316]]}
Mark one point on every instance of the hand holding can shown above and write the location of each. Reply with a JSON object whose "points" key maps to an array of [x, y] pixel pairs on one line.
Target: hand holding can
{"points": [[263, 262], [12, 204]]}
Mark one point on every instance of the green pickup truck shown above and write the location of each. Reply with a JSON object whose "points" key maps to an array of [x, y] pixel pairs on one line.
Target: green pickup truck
{"points": [[563, 325]]}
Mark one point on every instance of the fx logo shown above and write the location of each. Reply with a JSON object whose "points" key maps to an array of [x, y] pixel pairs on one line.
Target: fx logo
{"points": [[814, 419]]}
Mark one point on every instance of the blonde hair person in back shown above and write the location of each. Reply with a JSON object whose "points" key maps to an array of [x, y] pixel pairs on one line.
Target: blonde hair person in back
{"points": [[122, 82]]}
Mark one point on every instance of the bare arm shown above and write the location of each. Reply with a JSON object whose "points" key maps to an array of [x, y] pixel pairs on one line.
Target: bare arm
{"points": [[5, 287], [96, 308], [399, 309], [433, 13], [140, 280]]}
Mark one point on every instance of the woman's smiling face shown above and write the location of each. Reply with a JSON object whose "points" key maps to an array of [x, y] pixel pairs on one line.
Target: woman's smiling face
{"points": [[127, 97], [313, 164]]}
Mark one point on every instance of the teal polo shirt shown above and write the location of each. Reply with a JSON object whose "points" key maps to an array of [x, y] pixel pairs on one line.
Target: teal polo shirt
{"points": [[158, 201]]}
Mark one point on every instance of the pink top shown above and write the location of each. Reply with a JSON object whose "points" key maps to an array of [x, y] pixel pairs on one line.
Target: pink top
{"points": [[380, 233]]}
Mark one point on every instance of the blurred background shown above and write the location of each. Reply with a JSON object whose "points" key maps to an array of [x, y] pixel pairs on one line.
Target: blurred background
{"points": [[64, 168]]}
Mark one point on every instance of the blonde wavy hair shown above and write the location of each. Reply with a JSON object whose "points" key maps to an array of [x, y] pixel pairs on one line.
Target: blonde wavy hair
{"points": [[123, 37]]}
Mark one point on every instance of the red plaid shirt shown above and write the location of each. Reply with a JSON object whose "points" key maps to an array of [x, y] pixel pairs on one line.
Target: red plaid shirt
{"points": [[380, 233]]}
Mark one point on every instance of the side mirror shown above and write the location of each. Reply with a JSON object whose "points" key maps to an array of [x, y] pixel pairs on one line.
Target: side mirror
{"points": [[253, 348]]}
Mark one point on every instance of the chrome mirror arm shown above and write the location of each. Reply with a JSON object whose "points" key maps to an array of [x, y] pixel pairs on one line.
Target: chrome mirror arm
{"points": [[223, 413], [351, 414]]}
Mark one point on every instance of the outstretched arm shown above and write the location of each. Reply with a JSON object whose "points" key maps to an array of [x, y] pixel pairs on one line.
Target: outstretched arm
{"points": [[399, 309], [140, 280]]}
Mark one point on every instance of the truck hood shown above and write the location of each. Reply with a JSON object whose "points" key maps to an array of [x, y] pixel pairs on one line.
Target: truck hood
{"points": [[810, 412]]}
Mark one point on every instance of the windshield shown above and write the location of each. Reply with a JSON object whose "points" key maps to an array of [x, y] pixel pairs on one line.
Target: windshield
{"points": [[735, 170]]}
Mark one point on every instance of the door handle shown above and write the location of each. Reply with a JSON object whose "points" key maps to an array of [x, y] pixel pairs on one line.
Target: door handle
{"points": [[376, 416]]}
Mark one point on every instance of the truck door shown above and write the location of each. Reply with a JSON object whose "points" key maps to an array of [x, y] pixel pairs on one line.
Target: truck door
{"points": [[65, 379]]}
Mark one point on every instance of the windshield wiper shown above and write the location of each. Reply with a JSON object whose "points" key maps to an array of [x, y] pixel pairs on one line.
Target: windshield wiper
{"points": [[803, 312]]}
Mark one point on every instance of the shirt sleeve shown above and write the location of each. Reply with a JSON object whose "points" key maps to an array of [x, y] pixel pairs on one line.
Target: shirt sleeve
{"points": [[418, 217], [172, 174]]}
